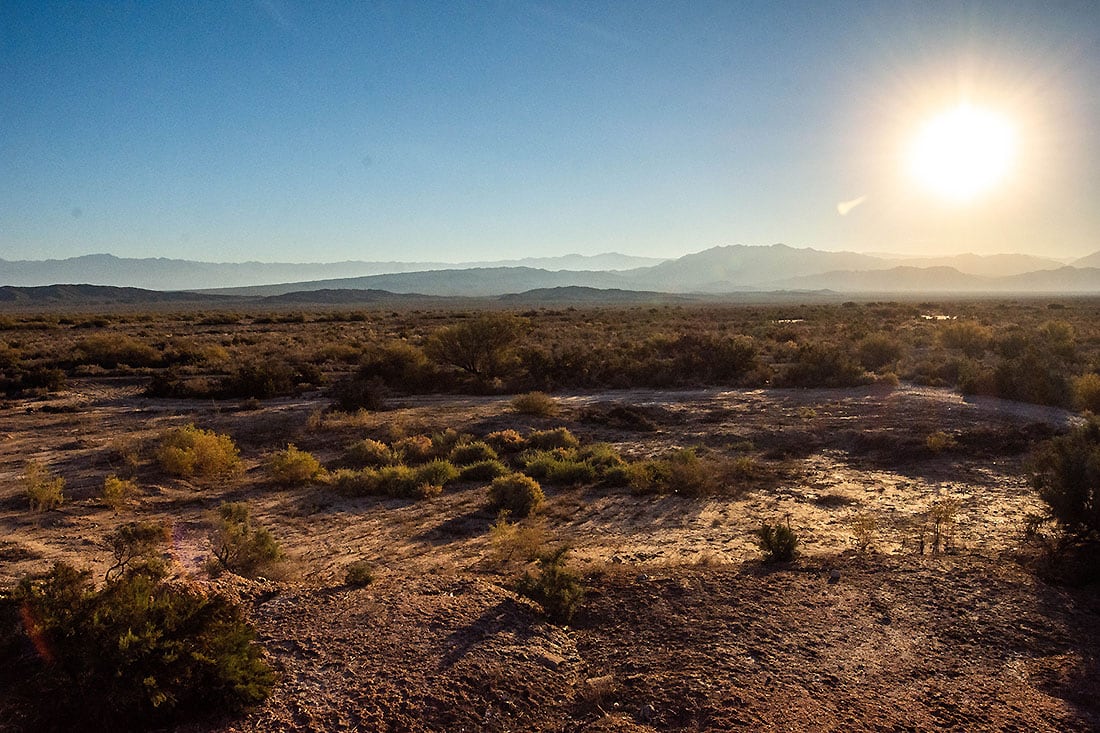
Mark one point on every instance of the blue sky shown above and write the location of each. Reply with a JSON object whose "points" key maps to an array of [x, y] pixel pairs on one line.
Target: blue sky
{"points": [[279, 130]]}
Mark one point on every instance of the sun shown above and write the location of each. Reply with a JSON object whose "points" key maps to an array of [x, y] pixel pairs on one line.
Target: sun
{"points": [[963, 152]]}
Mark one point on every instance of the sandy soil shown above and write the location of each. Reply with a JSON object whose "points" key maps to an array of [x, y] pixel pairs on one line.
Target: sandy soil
{"points": [[684, 628]]}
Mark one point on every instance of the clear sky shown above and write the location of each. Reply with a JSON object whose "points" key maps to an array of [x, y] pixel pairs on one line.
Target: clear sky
{"points": [[301, 130]]}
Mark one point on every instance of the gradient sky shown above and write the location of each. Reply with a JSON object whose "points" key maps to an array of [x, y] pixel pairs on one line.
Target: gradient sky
{"points": [[286, 130]]}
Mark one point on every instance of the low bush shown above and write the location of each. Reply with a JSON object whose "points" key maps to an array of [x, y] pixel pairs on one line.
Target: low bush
{"points": [[535, 403], [505, 441], [467, 453], [516, 541], [483, 471], [117, 492], [137, 653], [436, 473], [191, 451], [1066, 473], [414, 448], [294, 466], [520, 495], [44, 490], [239, 545], [777, 541], [939, 441], [372, 453], [818, 365], [556, 588], [359, 574], [550, 439]]}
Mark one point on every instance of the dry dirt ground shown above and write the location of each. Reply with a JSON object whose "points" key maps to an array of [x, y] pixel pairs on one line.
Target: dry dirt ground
{"points": [[683, 628]]}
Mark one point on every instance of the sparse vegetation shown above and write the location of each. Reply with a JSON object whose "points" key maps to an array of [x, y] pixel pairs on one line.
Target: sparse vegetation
{"points": [[118, 492], [778, 541], [535, 403], [44, 490], [358, 574], [239, 545], [556, 588]]}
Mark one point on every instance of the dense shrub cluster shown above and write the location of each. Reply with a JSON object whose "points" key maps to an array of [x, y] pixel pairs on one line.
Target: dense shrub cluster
{"points": [[1007, 349], [136, 653]]}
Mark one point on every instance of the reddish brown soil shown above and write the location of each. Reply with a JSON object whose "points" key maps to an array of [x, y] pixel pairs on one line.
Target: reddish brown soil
{"points": [[683, 629]]}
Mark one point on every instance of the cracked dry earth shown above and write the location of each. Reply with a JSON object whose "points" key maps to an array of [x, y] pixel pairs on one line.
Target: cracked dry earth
{"points": [[683, 628]]}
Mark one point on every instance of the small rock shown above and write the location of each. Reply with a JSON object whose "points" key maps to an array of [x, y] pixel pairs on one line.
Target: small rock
{"points": [[647, 713], [834, 576], [551, 661]]}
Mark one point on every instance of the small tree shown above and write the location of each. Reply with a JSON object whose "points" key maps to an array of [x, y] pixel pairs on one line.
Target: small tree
{"points": [[481, 347]]}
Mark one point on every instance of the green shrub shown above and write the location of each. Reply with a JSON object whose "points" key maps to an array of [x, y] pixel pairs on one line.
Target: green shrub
{"points": [[519, 494], [191, 451], [1066, 472], [354, 483], [482, 346], [239, 545], [571, 472], [372, 453], [777, 541], [137, 653], [294, 466], [535, 403], [483, 471], [266, 379], [43, 489], [436, 473], [359, 574], [550, 439], [137, 547], [556, 588], [117, 492], [467, 453]]}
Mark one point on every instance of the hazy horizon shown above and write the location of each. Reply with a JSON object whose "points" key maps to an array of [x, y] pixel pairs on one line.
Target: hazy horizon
{"points": [[291, 132]]}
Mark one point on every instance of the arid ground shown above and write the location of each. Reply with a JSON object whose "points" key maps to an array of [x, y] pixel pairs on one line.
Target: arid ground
{"points": [[683, 628]]}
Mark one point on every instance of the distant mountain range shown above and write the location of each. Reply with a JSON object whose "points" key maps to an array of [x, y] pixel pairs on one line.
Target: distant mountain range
{"points": [[736, 269], [171, 274]]}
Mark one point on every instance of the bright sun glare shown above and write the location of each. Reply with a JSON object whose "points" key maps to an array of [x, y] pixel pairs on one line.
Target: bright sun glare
{"points": [[962, 152]]}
